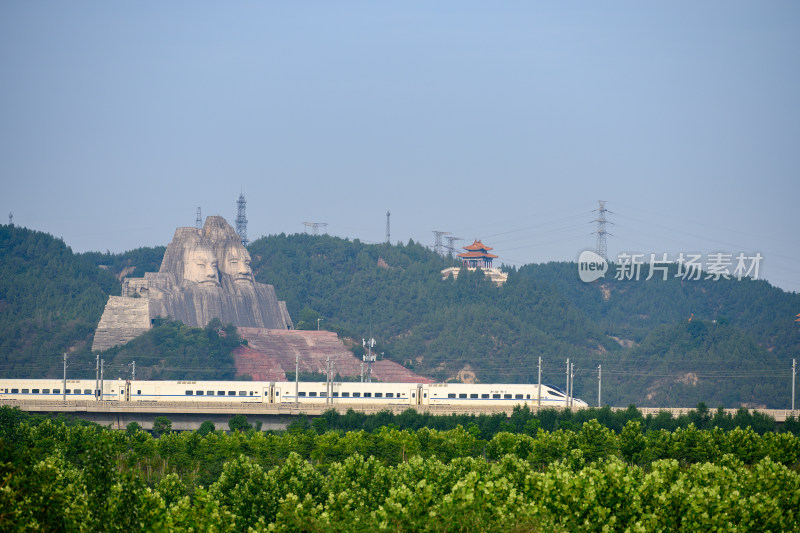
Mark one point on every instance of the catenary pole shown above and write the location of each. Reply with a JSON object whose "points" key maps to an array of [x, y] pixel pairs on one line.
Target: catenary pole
{"points": [[102, 367], [599, 385], [64, 396], [539, 399], [296, 378], [96, 377], [567, 391]]}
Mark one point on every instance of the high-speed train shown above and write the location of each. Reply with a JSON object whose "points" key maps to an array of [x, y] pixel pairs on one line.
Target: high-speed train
{"points": [[285, 392]]}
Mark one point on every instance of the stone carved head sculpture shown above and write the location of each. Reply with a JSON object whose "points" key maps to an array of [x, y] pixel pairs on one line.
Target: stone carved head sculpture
{"points": [[191, 258], [234, 259]]}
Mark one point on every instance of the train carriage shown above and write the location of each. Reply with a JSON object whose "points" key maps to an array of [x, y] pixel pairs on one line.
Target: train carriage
{"points": [[284, 392]]}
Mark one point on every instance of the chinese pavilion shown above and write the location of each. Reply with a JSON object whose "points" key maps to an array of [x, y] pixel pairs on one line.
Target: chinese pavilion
{"points": [[477, 255]]}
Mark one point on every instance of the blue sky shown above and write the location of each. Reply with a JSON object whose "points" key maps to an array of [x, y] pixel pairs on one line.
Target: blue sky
{"points": [[503, 121]]}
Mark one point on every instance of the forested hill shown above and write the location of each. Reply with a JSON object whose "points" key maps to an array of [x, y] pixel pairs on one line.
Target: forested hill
{"points": [[736, 349], [660, 342], [50, 299]]}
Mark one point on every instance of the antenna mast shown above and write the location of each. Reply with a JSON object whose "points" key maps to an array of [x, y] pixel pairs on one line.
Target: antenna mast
{"points": [[241, 220], [388, 238], [199, 222]]}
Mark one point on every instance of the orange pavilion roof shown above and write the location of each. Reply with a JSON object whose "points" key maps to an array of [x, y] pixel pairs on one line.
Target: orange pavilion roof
{"points": [[477, 245], [476, 255]]}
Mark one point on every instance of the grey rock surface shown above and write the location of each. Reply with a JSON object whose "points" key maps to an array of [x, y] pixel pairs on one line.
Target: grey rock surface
{"points": [[205, 274]]}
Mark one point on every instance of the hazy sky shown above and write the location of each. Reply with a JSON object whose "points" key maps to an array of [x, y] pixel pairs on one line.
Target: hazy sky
{"points": [[504, 121]]}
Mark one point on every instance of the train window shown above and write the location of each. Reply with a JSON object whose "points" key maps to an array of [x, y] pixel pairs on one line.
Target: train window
{"points": [[518, 396], [506, 396], [210, 393], [25, 391], [391, 395], [425, 395], [451, 395], [345, 395], [462, 395], [495, 395], [138, 392], [323, 394], [14, 391], [527, 396], [189, 393], [200, 393], [356, 395], [242, 393], [379, 395], [231, 393], [367, 395], [45, 391], [252, 393], [55, 391], [34, 391], [335, 394], [301, 393], [413, 394], [312, 394], [473, 395], [66, 391]]}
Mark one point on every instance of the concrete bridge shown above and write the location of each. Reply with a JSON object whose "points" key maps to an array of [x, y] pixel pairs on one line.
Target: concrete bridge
{"points": [[189, 416]]}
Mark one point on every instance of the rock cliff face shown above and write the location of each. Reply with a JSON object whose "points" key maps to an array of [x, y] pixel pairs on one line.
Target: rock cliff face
{"points": [[205, 274]]}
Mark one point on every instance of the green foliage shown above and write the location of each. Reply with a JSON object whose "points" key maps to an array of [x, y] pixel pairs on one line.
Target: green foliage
{"points": [[170, 348], [161, 425], [50, 301], [206, 428], [60, 477], [239, 423]]}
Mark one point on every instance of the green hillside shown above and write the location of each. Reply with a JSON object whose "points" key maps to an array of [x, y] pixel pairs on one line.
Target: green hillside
{"points": [[50, 301], [736, 350]]}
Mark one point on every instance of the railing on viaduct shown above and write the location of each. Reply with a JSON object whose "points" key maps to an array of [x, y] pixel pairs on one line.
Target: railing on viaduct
{"points": [[185, 416]]}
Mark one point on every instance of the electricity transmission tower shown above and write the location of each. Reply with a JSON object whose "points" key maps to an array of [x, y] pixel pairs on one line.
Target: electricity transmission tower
{"points": [[450, 241], [315, 226], [438, 247], [241, 220], [601, 248], [388, 238]]}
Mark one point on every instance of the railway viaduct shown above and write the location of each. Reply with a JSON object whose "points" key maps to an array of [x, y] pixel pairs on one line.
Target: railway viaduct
{"points": [[118, 415]]}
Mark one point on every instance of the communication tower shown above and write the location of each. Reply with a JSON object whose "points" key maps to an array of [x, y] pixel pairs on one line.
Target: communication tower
{"points": [[199, 222], [315, 226], [241, 220], [388, 239], [11, 219], [438, 247], [601, 248]]}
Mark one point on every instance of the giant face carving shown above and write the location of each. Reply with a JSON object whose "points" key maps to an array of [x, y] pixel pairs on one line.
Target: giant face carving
{"points": [[236, 263], [200, 266]]}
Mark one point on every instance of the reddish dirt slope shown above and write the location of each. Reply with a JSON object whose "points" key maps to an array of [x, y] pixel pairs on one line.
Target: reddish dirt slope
{"points": [[271, 352]]}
